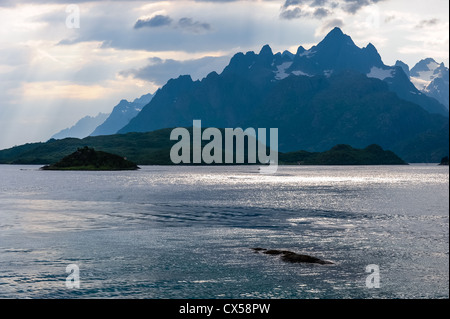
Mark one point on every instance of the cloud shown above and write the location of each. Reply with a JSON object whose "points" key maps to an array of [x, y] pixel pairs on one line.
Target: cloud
{"points": [[390, 18], [291, 13], [14, 3], [190, 30], [156, 21], [328, 25], [159, 71], [319, 3], [188, 24], [427, 23], [353, 6], [63, 90], [321, 13], [14, 55], [289, 3], [319, 9]]}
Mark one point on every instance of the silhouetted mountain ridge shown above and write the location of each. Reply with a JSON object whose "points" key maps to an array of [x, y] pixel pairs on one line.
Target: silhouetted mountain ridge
{"points": [[333, 93]]}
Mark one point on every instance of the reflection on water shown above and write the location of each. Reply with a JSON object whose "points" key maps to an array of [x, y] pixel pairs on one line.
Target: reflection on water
{"points": [[186, 232]]}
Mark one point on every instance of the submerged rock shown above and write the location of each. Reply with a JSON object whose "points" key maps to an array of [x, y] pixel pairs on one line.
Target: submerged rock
{"points": [[291, 257]]}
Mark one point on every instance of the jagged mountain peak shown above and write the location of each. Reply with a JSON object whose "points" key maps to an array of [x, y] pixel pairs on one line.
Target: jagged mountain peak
{"points": [[144, 99], [288, 54], [427, 61], [432, 79], [336, 52], [336, 38], [425, 65], [335, 33], [266, 51], [372, 50], [300, 50], [404, 66], [370, 46]]}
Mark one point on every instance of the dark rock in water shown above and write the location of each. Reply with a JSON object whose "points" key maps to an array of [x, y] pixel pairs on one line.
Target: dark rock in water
{"points": [[298, 258], [444, 161], [291, 257], [272, 252], [89, 159]]}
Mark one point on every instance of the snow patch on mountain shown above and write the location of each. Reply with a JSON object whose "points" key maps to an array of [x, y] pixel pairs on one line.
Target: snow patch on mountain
{"points": [[381, 74], [426, 71], [308, 54], [419, 83], [298, 73], [328, 73], [281, 74]]}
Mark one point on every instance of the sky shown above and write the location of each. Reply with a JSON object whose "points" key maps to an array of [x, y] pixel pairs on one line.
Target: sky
{"points": [[63, 60]]}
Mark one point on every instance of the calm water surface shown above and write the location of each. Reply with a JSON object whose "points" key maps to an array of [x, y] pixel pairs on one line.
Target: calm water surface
{"points": [[186, 232]]}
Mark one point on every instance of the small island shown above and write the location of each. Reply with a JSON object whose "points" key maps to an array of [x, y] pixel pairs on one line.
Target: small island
{"points": [[88, 159], [343, 154], [444, 161]]}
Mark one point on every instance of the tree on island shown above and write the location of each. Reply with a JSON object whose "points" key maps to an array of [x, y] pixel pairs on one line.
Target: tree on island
{"points": [[89, 159]]}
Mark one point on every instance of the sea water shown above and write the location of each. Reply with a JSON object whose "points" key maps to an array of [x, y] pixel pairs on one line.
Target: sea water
{"points": [[187, 232]]}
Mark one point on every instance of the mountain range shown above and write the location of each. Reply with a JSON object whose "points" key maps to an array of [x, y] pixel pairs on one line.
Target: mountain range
{"points": [[82, 128], [105, 124], [333, 93], [121, 115]]}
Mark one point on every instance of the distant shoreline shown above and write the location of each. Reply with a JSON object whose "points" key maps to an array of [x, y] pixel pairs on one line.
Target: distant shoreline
{"points": [[154, 148]]}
